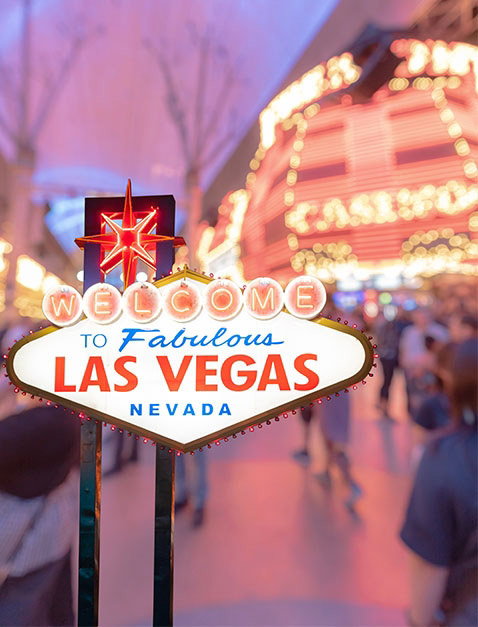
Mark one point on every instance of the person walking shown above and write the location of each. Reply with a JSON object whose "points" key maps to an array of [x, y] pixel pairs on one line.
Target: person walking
{"points": [[388, 339], [334, 420], [415, 359], [193, 486], [302, 455]]}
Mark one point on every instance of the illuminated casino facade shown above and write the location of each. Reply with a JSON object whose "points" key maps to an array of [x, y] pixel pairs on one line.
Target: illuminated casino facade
{"points": [[344, 187]]}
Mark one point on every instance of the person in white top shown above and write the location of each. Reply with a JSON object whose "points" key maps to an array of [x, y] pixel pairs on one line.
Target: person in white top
{"points": [[414, 357]]}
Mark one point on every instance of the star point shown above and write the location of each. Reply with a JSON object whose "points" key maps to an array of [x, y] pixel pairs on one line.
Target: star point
{"points": [[128, 242]]}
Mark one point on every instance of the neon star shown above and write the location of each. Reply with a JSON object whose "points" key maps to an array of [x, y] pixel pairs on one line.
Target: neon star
{"points": [[128, 242]]}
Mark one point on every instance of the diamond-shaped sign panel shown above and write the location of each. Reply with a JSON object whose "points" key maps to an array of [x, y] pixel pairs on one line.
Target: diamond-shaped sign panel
{"points": [[185, 384]]}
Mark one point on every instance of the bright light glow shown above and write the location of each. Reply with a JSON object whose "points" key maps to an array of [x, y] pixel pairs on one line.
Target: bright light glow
{"points": [[398, 84], [462, 147], [309, 213], [240, 202], [5, 248], [473, 222], [49, 282], [80, 275], [435, 58], [102, 303], [263, 298], [62, 305], [390, 312], [141, 276], [222, 299], [280, 363], [128, 242], [141, 302], [30, 273], [371, 309], [382, 207], [182, 301], [470, 168], [337, 73], [434, 252], [305, 297]]}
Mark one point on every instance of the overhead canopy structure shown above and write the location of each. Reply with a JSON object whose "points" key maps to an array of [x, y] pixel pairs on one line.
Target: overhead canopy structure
{"points": [[96, 86]]}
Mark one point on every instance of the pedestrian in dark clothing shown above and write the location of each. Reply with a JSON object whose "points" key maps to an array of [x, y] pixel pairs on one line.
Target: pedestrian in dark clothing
{"points": [[303, 454], [388, 340], [441, 525]]}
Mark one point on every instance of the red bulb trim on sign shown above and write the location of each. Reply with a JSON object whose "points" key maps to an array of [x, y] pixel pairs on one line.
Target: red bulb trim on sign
{"points": [[217, 442]]}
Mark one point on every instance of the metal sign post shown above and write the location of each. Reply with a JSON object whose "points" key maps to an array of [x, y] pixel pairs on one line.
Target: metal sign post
{"points": [[165, 461], [90, 460], [91, 438]]}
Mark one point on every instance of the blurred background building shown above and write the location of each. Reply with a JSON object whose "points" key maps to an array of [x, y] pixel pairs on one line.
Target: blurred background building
{"points": [[365, 176], [339, 148]]}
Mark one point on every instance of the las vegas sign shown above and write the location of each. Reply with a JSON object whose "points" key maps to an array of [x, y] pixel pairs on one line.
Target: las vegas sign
{"points": [[189, 359]]}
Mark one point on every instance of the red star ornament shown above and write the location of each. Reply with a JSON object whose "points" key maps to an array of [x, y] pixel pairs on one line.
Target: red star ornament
{"points": [[128, 242]]}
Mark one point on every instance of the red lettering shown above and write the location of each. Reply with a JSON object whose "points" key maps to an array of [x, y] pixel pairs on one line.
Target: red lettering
{"points": [[57, 307], [262, 303], [280, 378], [131, 378], [173, 382], [312, 377], [60, 385], [102, 307], [95, 364], [250, 375], [138, 306], [202, 373]]}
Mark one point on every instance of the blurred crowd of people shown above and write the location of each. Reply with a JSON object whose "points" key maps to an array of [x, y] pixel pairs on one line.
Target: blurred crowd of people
{"points": [[436, 349]]}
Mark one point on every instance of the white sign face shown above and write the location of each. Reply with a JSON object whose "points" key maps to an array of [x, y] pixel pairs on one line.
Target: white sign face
{"points": [[187, 383]]}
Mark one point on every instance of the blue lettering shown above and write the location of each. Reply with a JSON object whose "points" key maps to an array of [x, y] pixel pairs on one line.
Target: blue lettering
{"points": [[136, 409], [130, 333], [189, 410], [219, 333], [267, 341], [154, 409], [225, 409], [158, 340], [206, 409], [104, 340], [86, 336], [174, 407], [235, 338], [193, 341], [180, 340], [178, 335]]}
